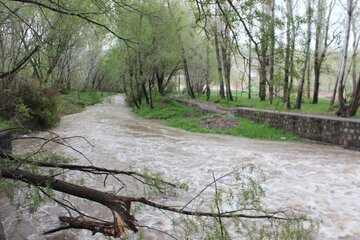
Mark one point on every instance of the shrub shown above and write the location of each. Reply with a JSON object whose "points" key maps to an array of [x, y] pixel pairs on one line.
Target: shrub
{"points": [[38, 107], [8, 103], [29, 106], [23, 112]]}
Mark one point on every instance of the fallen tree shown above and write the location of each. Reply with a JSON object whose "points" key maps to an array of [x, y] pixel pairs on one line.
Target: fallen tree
{"points": [[120, 205]]}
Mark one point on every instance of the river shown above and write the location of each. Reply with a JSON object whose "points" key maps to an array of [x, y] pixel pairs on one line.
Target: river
{"points": [[322, 181]]}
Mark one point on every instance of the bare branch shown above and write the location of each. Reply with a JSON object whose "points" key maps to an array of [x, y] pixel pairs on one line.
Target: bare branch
{"points": [[22, 63], [79, 15]]}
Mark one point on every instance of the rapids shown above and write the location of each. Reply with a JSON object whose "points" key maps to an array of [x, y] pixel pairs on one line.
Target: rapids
{"points": [[323, 181]]}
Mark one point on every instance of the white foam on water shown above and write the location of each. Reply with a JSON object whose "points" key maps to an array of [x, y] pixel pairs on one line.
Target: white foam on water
{"points": [[323, 181]]}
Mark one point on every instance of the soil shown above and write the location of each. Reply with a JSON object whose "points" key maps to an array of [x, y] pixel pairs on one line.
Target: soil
{"points": [[219, 122]]}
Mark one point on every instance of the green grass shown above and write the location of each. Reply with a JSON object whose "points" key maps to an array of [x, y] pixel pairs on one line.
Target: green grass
{"points": [[188, 118], [74, 102], [321, 108], [6, 124], [165, 108]]}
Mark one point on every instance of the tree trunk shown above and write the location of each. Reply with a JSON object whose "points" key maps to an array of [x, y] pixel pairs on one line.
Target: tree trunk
{"points": [[160, 82], [208, 90], [249, 76], [272, 52], [143, 85], [187, 76], [151, 83], [319, 38], [219, 65], [355, 46], [343, 109], [355, 101], [308, 80], [307, 57], [119, 205], [317, 67], [287, 53], [262, 84], [292, 52], [226, 62]]}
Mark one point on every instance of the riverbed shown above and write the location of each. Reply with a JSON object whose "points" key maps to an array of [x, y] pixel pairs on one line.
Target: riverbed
{"points": [[319, 180]]}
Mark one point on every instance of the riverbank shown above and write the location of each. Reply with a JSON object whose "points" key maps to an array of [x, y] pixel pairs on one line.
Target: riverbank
{"points": [[340, 131], [191, 119]]}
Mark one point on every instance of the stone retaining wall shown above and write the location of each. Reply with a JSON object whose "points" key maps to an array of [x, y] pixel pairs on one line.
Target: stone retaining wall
{"points": [[332, 130]]}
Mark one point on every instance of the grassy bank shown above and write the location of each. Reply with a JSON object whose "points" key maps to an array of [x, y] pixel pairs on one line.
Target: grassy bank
{"points": [[188, 118], [74, 102], [66, 104], [321, 108]]}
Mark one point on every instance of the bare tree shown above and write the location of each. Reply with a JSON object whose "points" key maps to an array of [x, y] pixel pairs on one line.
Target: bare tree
{"points": [[272, 51], [351, 109], [306, 63], [289, 52], [322, 42]]}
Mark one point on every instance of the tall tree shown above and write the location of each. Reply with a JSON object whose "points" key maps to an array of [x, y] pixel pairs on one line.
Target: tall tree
{"points": [[322, 42], [226, 54], [217, 39], [189, 86], [350, 109], [272, 51], [250, 67], [306, 63], [289, 52]]}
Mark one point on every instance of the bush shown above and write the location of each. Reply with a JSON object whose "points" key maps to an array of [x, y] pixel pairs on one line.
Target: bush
{"points": [[30, 106], [8, 103], [23, 112], [38, 107]]}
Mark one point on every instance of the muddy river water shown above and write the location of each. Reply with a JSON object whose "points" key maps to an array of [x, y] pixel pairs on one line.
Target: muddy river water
{"points": [[323, 181]]}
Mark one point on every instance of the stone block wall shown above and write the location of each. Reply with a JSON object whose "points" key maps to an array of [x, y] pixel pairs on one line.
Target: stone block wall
{"points": [[333, 130]]}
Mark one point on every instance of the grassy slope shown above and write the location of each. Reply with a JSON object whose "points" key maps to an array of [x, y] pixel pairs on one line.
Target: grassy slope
{"points": [[180, 116], [306, 107], [68, 104], [76, 102]]}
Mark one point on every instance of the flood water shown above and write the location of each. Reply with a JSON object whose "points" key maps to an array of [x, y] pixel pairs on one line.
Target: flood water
{"points": [[322, 181]]}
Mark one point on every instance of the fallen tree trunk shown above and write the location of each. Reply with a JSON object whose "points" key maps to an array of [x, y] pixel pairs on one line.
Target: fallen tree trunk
{"points": [[119, 205], [106, 228]]}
